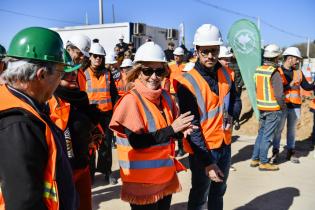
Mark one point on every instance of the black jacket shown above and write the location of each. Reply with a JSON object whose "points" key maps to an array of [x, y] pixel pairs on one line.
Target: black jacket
{"points": [[23, 159]]}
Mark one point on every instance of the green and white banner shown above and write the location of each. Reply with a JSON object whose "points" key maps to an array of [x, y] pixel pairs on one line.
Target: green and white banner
{"points": [[244, 38]]}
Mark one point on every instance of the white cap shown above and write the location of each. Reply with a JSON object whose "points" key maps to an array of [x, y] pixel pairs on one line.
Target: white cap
{"points": [[126, 63], [121, 36], [97, 49], [224, 52], [272, 51], [150, 52], [207, 35], [178, 51], [294, 51], [82, 42], [110, 58]]}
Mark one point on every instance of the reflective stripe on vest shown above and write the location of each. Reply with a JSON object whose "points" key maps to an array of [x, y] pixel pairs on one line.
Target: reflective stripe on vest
{"points": [[153, 164], [50, 194], [265, 98], [99, 93]]}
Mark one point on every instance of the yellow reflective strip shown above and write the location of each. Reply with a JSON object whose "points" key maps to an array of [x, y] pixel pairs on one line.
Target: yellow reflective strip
{"points": [[50, 192]]}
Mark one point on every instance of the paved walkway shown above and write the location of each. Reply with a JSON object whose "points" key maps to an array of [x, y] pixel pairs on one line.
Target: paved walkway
{"points": [[290, 188]]}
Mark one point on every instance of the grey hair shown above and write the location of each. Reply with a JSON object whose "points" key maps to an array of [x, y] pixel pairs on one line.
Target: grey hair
{"points": [[26, 71]]}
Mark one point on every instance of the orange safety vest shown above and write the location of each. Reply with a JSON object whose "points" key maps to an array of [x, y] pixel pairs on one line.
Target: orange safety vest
{"points": [[50, 194], [211, 107], [265, 97], [153, 165], [81, 79], [120, 84], [98, 90], [292, 91], [175, 70], [59, 112]]}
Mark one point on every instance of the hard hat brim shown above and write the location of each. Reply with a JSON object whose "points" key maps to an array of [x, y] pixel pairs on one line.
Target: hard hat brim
{"points": [[214, 43], [72, 68]]}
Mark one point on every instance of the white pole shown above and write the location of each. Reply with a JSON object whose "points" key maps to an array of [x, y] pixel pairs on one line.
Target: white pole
{"points": [[86, 19], [308, 48], [258, 23], [100, 11]]}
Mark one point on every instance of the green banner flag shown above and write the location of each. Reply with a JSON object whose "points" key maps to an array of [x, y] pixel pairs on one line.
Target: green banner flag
{"points": [[244, 38]]}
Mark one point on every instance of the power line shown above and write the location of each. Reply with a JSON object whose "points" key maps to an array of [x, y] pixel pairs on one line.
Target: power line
{"points": [[251, 17], [38, 17]]}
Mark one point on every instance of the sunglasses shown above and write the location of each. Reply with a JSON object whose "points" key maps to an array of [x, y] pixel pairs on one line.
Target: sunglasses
{"points": [[158, 72], [206, 52], [97, 56]]}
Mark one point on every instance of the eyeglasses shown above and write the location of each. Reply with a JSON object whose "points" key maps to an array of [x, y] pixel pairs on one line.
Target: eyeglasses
{"points": [[158, 72], [61, 73], [97, 56], [206, 52]]}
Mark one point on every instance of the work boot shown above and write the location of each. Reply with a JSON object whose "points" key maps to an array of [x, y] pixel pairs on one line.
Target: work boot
{"points": [[275, 156], [237, 125], [291, 155], [254, 163], [109, 179], [268, 167]]}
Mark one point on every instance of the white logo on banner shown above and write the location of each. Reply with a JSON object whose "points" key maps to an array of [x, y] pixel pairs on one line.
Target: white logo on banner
{"points": [[244, 41]]}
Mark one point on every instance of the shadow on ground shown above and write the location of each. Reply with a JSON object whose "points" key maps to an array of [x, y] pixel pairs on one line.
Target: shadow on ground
{"points": [[280, 199], [243, 154], [106, 194], [246, 116]]}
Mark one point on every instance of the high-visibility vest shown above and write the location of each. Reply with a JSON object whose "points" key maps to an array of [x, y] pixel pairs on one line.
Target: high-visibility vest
{"points": [[175, 70], [265, 97], [59, 112], [120, 84], [292, 91], [98, 90], [211, 106], [50, 193], [153, 165], [81, 79]]}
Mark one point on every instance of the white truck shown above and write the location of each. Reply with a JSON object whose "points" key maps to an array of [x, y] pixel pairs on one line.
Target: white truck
{"points": [[108, 34]]}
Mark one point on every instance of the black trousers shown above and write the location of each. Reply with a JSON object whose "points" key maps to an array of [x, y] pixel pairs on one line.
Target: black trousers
{"points": [[104, 164], [163, 204]]}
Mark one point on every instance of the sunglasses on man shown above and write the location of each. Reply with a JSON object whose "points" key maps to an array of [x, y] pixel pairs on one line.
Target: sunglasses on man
{"points": [[158, 72]]}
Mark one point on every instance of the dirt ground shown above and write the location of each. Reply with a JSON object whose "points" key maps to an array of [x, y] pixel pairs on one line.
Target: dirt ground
{"points": [[249, 123]]}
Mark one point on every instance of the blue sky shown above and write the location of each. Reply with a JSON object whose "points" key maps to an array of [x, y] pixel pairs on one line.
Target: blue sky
{"points": [[291, 16]]}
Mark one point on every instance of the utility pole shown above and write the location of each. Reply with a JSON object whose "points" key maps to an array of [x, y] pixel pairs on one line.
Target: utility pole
{"points": [[258, 23], [100, 11], [308, 47], [86, 19], [113, 10]]}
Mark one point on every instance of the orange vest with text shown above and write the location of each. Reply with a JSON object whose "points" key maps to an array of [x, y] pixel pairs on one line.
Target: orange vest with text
{"points": [[98, 90], [292, 90], [155, 164], [81, 80], [175, 70], [211, 106], [265, 97], [50, 193]]}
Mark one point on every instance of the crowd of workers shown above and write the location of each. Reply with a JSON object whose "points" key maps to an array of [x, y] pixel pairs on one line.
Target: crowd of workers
{"points": [[63, 110]]}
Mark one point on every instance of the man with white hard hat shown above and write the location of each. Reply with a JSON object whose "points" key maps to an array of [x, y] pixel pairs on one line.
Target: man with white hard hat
{"points": [[122, 45], [293, 79], [208, 91], [270, 103], [78, 47]]}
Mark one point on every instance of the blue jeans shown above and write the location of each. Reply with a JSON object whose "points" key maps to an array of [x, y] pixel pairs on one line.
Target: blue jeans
{"points": [[291, 116], [202, 187], [268, 123]]}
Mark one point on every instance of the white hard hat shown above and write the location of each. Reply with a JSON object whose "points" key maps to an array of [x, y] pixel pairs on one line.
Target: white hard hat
{"points": [[207, 35], [121, 37], [82, 42], [178, 51], [224, 52], [97, 49], [150, 52], [126, 63], [110, 58], [272, 51], [294, 51]]}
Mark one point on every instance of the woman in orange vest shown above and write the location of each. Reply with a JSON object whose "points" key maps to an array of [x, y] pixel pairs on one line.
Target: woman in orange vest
{"points": [[144, 121], [71, 112], [102, 91]]}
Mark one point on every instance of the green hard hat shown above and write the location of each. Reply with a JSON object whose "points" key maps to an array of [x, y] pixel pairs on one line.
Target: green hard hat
{"points": [[70, 66], [37, 43], [3, 52]]}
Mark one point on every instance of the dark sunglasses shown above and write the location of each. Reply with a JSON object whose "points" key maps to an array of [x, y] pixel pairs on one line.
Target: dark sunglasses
{"points": [[158, 72], [206, 52], [96, 56]]}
